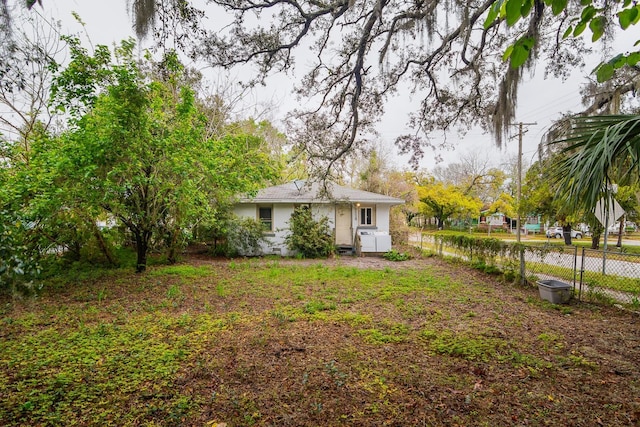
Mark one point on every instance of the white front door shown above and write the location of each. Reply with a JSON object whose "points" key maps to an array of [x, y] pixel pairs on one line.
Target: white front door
{"points": [[343, 225]]}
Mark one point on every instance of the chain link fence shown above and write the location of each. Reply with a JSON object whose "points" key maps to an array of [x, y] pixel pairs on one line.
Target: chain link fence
{"points": [[550, 263], [608, 276], [611, 277], [596, 276]]}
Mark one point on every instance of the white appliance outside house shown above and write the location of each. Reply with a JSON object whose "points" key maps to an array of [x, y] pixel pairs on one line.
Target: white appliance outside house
{"points": [[367, 240], [374, 241], [383, 241]]}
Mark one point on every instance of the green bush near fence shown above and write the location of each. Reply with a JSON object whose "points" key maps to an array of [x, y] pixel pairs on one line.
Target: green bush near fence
{"points": [[492, 256], [497, 256]]}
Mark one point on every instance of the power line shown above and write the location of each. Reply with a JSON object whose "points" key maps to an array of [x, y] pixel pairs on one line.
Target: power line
{"points": [[567, 98]]}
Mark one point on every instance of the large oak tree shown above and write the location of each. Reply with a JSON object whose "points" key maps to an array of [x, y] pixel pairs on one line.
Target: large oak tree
{"points": [[356, 54]]}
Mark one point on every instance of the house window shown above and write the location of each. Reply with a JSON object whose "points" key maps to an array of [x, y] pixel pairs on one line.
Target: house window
{"points": [[366, 216], [265, 216]]}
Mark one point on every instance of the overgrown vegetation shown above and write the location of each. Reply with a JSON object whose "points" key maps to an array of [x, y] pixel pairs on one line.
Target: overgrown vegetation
{"points": [[482, 248], [136, 163], [251, 342], [19, 269], [394, 255], [312, 238], [489, 255], [234, 236], [494, 256]]}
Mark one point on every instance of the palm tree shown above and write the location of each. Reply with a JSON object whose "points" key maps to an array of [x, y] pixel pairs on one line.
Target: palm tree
{"points": [[597, 151]]}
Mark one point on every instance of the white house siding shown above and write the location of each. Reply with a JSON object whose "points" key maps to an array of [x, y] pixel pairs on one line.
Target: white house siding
{"points": [[276, 245], [281, 215], [328, 210], [245, 210], [282, 198], [382, 217]]}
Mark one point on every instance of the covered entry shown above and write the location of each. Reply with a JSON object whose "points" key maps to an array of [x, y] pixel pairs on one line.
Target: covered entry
{"points": [[344, 235]]}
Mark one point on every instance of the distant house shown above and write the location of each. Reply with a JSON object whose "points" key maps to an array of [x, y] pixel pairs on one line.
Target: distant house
{"points": [[493, 220], [359, 219], [532, 224]]}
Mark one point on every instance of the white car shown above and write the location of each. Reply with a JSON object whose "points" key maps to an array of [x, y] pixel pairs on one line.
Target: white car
{"points": [[556, 232]]}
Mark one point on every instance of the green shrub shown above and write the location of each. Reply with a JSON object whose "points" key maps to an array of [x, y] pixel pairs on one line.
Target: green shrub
{"points": [[312, 238], [394, 255], [245, 236], [18, 267], [232, 236]]}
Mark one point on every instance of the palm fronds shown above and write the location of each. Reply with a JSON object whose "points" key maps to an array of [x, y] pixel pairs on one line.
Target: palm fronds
{"points": [[597, 151]]}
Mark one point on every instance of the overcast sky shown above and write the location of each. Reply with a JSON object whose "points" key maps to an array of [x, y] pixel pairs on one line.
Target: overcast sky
{"points": [[540, 101]]}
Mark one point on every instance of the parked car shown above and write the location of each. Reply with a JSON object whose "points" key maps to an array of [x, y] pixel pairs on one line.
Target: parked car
{"points": [[556, 232]]}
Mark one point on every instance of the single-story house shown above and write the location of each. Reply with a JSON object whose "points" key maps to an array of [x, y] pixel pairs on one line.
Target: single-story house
{"points": [[359, 219]]}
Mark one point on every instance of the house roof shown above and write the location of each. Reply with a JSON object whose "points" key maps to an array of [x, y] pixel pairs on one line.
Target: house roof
{"points": [[304, 192]]}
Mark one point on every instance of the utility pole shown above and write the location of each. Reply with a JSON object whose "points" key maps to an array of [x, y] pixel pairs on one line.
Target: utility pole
{"points": [[519, 195]]}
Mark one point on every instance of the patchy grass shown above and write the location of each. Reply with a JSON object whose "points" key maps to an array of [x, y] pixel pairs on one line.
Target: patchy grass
{"points": [[276, 342]]}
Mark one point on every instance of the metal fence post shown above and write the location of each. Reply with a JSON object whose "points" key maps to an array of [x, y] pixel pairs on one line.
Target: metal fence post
{"points": [[522, 266], [575, 265], [581, 274]]}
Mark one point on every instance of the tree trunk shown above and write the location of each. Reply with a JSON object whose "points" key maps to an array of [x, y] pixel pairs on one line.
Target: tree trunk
{"points": [[566, 232], [103, 245], [142, 247], [171, 255], [620, 231], [74, 248], [172, 243], [595, 240]]}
